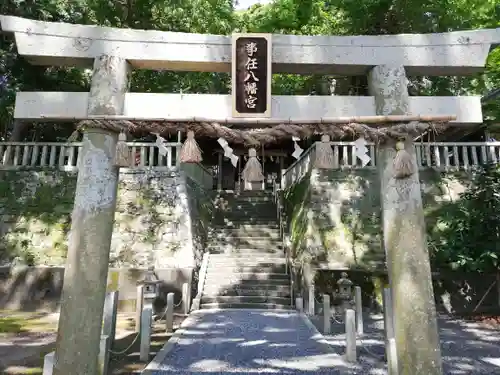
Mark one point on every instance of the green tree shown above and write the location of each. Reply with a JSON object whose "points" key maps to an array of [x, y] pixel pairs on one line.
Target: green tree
{"points": [[467, 234], [16, 74]]}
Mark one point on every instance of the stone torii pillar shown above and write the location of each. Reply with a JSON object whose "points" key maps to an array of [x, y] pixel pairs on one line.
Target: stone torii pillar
{"points": [[415, 323], [86, 270]]}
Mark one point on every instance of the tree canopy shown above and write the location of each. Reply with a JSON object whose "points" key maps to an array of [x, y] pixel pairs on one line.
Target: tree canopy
{"points": [[313, 17]]}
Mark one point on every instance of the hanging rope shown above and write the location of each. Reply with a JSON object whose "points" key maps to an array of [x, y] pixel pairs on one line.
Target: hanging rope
{"points": [[272, 134]]}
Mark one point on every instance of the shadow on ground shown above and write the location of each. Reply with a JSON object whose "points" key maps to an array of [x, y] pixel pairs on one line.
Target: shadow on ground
{"points": [[467, 348]]}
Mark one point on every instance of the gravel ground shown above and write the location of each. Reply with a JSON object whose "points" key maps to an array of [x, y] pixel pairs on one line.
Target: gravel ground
{"points": [[251, 342], [468, 348]]}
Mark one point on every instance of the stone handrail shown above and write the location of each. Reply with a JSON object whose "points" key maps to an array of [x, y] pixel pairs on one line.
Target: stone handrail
{"points": [[301, 167], [456, 155], [199, 174], [25, 155], [201, 281], [436, 155]]}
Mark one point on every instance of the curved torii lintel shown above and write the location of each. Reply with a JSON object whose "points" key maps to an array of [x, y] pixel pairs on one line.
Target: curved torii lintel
{"points": [[63, 44]]}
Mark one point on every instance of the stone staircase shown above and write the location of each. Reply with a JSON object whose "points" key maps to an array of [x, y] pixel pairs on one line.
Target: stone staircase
{"points": [[247, 264]]}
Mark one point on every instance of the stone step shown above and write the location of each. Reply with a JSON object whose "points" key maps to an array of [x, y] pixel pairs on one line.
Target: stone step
{"points": [[245, 299], [224, 249], [217, 260], [237, 207], [262, 254], [245, 192], [229, 207], [245, 231], [236, 225], [245, 195], [245, 218], [256, 285], [256, 246], [261, 290], [236, 239], [218, 248], [267, 306], [225, 269], [235, 221], [224, 286], [227, 284], [279, 266], [213, 275], [222, 263], [239, 269], [278, 291], [228, 200], [272, 244], [255, 211], [257, 257]]}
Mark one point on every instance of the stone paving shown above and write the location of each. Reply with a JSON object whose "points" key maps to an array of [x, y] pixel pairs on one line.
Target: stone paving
{"points": [[251, 342], [467, 348], [258, 341]]}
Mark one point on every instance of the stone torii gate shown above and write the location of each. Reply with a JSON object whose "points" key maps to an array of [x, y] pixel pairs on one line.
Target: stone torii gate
{"points": [[114, 52]]}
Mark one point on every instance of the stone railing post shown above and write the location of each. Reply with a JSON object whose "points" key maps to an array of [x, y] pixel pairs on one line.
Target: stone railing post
{"points": [[146, 328], [169, 314], [358, 299], [139, 304], [350, 335], [327, 314], [299, 304], [186, 298], [110, 316], [86, 270], [415, 323], [311, 303]]}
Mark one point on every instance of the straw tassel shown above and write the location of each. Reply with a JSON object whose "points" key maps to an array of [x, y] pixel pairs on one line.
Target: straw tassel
{"points": [[403, 163], [122, 154], [253, 170], [324, 154], [190, 151]]}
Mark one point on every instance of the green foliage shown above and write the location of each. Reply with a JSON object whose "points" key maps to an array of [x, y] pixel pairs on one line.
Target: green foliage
{"points": [[467, 233], [299, 17]]}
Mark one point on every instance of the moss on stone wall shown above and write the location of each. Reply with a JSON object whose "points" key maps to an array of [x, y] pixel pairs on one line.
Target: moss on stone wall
{"points": [[202, 211], [35, 209], [144, 213], [335, 215], [152, 218], [296, 202]]}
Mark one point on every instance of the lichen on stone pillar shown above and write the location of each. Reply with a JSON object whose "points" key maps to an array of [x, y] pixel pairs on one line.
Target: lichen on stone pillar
{"points": [[389, 86], [110, 83], [85, 277], [415, 321]]}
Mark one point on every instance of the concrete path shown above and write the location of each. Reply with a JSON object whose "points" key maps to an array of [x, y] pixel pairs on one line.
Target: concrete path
{"points": [[250, 342]]}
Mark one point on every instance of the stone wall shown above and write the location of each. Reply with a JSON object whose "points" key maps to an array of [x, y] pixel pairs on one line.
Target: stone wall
{"points": [[160, 218], [39, 288], [454, 292], [335, 215], [335, 224]]}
